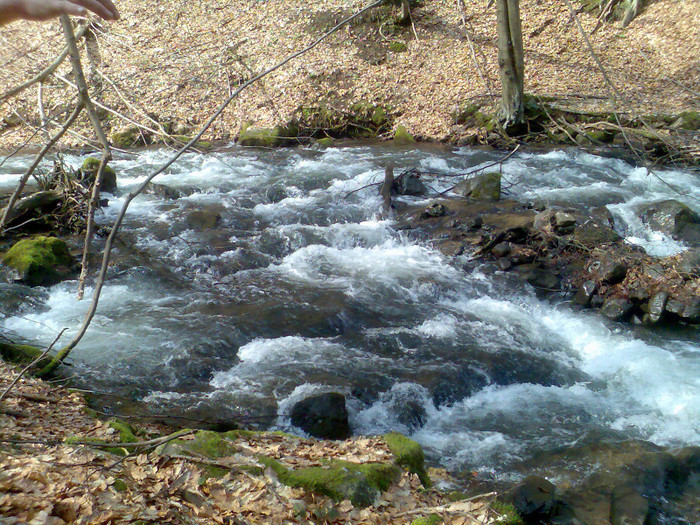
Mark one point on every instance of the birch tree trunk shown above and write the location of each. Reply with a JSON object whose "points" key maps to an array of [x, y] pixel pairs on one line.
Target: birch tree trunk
{"points": [[510, 62]]}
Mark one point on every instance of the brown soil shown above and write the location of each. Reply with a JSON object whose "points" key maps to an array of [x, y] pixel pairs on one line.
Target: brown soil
{"points": [[179, 60]]}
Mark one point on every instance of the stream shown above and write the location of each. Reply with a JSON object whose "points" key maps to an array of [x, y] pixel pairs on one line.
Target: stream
{"points": [[301, 287]]}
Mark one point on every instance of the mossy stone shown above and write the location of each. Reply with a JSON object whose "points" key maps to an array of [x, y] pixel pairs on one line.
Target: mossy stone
{"points": [[433, 519], [325, 142], [601, 136], [409, 455], [126, 431], [465, 115], [88, 171], [508, 514], [40, 260], [119, 485], [22, 354], [688, 120], [402, 136], [486, 186], [206, 443], [398, 47], [128, 138], [339, 480], [260, 137]]}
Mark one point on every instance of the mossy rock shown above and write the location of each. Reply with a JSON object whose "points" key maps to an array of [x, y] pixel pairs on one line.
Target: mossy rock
{"points": [[398, 47], [409, 455], [466, 115], [40, 260], [131, 137], [23, 355], [268, 137], [508, 514], [126, 432], [339, 480], [88, 171], [486, 186], [600, 136], [206, 443], [688, 120], [402, 136], [433, 519], [324, 142]]}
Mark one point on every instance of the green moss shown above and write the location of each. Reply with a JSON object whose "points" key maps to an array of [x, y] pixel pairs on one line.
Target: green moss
{"points": [[508, 514], [22, 354], [402, 136], [600, 135], [88, 171], [38, 259], [339, 479], [267, 137], [98, 444], [688, 120], [129, 138], [409, 455], [119, 485], [466, 115], [126, 432], [398, 47], [325, 142], [433, 519]]}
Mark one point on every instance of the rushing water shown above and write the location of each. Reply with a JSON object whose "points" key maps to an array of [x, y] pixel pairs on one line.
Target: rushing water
{"points": [[302, 288]]}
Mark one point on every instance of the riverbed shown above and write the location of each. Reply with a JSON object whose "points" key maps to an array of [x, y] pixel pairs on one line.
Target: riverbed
{"points": [[302, 286]]}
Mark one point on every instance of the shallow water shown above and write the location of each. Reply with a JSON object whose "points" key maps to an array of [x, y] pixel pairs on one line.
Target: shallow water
{"points": [[302, 288]]}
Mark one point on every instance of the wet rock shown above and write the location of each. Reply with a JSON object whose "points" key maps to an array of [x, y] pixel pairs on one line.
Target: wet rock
{"points": [[14, 297], [534, 498], [88, 171], [408, 184], [202, 219], [689, 263], [40, 260], [628, 507], [617, 308], [323, 416], [564, 223], [434, 210], [522, 255], [610, 271], [504, 264], [482, 187], [691, 312], [585, 293], [602, 216], [675, 307], [655, 308], [166, 192], [671, 217], [543, 279], [592, 234], [502, 249]]}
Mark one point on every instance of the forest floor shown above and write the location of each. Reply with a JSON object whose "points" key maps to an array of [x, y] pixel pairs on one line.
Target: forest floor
{"points": [[176, 61]]}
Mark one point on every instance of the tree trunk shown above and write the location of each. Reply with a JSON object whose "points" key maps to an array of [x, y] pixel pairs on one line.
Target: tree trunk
{"points": [[510, 62]]}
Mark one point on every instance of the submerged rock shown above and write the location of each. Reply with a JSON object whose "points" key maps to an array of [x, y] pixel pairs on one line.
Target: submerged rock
{"points": [[674, 218], [323, 416]]}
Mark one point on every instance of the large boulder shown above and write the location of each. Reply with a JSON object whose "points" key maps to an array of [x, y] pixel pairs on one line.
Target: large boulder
{"points": [[535, 498], [486, 186], [35, 205], [674, 218], [88, 171], [323, 416], [40, 261]]}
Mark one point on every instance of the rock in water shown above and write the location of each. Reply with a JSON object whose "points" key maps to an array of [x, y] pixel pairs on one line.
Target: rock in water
{"points": [[40, 261], [481, 187], [534, 498], [323, 416]]}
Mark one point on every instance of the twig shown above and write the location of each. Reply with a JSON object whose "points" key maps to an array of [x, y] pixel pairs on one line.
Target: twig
{"points": [[106, 152], [30, 365], [117, 223]]}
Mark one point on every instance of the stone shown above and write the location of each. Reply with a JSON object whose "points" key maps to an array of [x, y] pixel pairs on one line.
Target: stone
{"points": [[585, 293], [675, 307], [522, 255], [88, 171], [402, 136], [502, 249], [40, 260], [504, 264], [628, 507], [544, 220], [534, 498], [611, 271], [689, 263], [486, 186], [564, 223], [202, 219], [541, 279], [691, 312], [617, 308], [408, 183], [409, 455], [131, 137], [602, 216], [324, 416], [669, 216], [656, 307], [434, 210], [591, 235], [166, 192]]}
